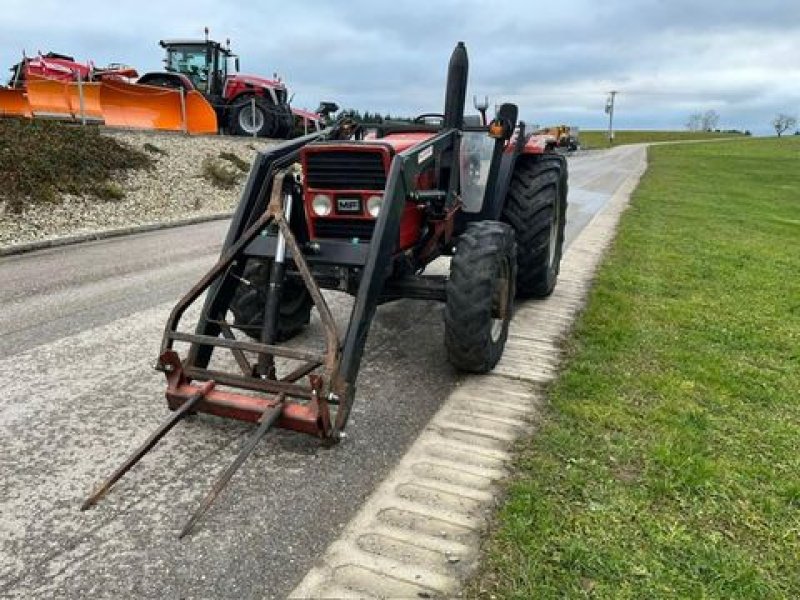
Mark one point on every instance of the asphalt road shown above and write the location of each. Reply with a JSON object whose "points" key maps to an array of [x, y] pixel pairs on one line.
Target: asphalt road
{"points": [[79, 331]]}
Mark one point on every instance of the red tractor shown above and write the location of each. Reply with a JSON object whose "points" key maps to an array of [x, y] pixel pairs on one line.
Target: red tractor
{"points": [[245, 104], [365, 214]]}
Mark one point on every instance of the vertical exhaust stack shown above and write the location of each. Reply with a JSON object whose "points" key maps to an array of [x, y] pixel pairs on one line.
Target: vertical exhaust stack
{"points": [[456, 91]]}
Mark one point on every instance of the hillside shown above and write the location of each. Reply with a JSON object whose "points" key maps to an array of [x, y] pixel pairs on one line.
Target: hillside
{"points": [[58, 179]]}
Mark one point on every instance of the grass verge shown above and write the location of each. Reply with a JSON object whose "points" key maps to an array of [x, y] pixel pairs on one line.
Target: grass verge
{"points": [[668, 463], [41, 159], [599, 139]]}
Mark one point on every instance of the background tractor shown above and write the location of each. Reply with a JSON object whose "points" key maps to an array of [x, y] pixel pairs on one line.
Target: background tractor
{"points": [[365, 214], [567, 137], [245, 104]]}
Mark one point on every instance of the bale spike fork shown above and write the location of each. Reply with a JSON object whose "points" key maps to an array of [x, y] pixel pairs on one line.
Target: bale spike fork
{"points": [[271, 402]]}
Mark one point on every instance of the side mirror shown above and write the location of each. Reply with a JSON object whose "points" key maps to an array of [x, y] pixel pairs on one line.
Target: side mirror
{"points": [[502, 126], [236, 64]]}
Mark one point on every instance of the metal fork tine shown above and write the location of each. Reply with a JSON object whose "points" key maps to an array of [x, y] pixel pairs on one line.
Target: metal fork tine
{"points": [[267, 421], [148, 444]]}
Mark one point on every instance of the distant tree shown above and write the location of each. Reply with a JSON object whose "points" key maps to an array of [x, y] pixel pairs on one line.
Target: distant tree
{"points": [[694, 122], [352, 113], [783, 122], [710, 120]]}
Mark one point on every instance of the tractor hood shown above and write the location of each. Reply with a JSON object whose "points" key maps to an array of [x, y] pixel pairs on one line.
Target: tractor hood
{"points": [[256, 81], [403, 141]]}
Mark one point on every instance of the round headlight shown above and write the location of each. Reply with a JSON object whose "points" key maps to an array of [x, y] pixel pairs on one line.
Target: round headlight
{"points": [[374, 205], [321, 204]]}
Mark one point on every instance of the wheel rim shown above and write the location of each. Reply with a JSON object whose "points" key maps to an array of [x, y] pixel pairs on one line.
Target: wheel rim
{"points": [[251, 121], [500, 302], [554, 227]]}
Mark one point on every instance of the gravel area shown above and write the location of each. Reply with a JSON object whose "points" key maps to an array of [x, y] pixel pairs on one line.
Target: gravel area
{"points": [[174, 190]]}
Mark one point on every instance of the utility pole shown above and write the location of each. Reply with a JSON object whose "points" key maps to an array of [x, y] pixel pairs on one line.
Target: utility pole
{"points": [[610, 113]]}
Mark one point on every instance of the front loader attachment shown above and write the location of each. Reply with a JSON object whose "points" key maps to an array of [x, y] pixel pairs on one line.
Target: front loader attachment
{"points": [[297, 398]]}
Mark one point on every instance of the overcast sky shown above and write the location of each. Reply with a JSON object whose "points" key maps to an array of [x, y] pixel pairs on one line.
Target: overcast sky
{"points": [[557, 60]]}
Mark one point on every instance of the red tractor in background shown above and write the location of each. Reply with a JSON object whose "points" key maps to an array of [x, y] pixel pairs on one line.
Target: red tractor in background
{"points": [[245, 104]]}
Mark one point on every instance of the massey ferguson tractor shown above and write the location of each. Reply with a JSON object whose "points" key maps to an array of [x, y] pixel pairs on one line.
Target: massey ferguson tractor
{"points": [[363, 214], [245, 104]]}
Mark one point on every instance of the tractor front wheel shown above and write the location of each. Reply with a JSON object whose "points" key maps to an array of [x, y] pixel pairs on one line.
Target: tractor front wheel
{"points": [[250, 300], [254, 117], [480, 296], [536, 207]]}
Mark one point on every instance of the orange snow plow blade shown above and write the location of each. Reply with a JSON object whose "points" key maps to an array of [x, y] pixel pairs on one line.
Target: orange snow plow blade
{"points": [[115, 103], [49, 98], [91, 109], [62, 99], [150, 107], [200, 115], [14, 103]]}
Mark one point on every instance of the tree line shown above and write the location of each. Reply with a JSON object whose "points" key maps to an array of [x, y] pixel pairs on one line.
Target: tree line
{"points": [[709, 121], [371, 117]]}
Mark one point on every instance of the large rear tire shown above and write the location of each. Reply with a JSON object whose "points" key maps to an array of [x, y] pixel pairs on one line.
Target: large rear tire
{"points": [[262, 122], [536, 207], [250, 299], [480, 296]]}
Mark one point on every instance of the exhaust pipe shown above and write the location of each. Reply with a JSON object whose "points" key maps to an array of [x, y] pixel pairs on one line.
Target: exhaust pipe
{"points": [[456, 91]]}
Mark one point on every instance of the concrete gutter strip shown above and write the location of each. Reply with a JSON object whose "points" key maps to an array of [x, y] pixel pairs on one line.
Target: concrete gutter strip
{"points": [[105, 234], [419, 534]]}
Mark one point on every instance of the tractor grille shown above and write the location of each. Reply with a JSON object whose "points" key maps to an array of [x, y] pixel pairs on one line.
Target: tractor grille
{"points": [[342, 170], [344, 228]]}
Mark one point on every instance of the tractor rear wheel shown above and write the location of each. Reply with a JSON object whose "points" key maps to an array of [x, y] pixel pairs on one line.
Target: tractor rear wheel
{"points": [[480, 296], [536, 207], [253, 116], [250, 299]]}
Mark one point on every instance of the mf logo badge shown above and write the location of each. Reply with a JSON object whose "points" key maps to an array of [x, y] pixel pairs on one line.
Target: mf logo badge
{"points": [[350, 206]]}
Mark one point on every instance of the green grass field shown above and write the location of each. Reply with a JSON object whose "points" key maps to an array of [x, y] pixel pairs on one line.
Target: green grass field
{"points": [[599, 139], [668, 464]]}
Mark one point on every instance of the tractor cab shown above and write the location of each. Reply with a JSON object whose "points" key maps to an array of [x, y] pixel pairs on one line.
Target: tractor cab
{"points": [[205, 62]]}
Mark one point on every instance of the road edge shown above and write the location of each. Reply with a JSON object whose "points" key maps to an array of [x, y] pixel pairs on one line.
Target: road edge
{"points": [[419, 533], [92, 236]]}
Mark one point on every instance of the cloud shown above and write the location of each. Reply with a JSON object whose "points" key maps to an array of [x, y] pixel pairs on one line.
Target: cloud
{"points": [[557, 60]]}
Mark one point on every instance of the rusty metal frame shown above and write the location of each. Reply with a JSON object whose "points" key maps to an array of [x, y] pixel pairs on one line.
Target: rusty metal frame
{"points": [[311, 414]]}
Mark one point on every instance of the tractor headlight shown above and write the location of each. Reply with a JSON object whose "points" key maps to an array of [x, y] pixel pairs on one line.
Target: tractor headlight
{"points": [[374, 205], [321, 205]]}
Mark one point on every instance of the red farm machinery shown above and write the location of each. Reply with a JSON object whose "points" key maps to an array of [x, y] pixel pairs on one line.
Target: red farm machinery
{"points": [[199, 91], [364, 213], [244, 104]]}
